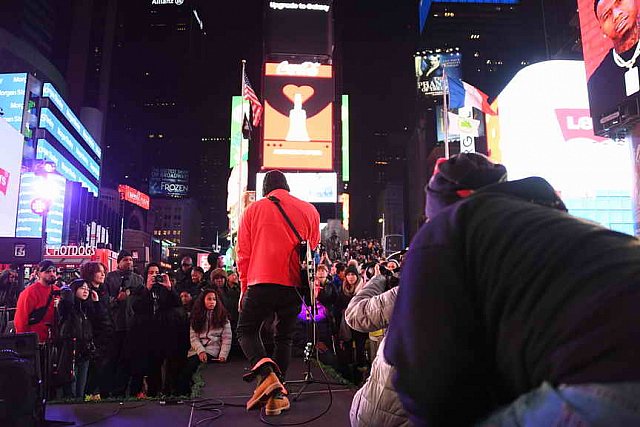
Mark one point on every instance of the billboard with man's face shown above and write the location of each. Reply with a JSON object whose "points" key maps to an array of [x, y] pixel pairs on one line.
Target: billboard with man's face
{"points": [[298, 116], [610, 32]]}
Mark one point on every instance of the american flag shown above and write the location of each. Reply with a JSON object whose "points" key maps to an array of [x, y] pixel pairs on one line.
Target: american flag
{"points": [[249, 94]]}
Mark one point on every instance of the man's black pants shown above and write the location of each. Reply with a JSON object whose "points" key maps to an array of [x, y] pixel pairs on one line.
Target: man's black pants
{"points": [[260, 302]]}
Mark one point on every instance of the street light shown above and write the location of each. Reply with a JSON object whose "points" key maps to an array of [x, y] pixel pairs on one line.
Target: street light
{"points": [[45, 192], [382, 221]]}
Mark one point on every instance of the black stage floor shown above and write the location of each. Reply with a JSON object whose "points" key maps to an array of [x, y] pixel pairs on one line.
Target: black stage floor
{"points": [[222, 382]]}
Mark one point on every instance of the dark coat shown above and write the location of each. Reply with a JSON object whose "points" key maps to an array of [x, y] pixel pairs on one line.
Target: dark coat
{"points": [[500, 292], [155, 325], [120, 311]]}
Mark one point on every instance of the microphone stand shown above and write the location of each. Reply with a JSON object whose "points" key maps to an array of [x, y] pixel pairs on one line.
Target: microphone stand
{"points": [[310, 348]]}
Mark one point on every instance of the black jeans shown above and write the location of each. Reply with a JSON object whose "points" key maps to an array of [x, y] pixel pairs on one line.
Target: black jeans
{"points": [[260, 302]]}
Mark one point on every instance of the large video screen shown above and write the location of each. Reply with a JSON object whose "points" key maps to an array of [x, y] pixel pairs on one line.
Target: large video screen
{"points": [[543, 129], [310, 187], [299, 27], [10, 163], [298, 116], [12, 96], [431, 66], [51, 188], [610, 32]]}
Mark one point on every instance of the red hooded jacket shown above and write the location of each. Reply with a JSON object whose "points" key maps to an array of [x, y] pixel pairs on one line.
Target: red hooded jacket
{"points": [[267, 247]]}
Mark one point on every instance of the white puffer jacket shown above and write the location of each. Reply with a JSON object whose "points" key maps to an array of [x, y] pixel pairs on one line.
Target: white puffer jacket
{"points": [[376, 404]]}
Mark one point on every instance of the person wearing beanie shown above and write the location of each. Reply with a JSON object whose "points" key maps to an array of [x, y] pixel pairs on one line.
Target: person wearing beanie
{"points": [[34, 310], [120, 284], [270, 271], [513, 312]]}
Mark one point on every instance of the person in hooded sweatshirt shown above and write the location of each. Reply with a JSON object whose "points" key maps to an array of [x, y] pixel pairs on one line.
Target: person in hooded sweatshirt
{"points": [[512, 312]]}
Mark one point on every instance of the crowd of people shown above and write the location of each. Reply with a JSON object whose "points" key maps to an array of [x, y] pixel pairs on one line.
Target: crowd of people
{"points": [[121, 334]]}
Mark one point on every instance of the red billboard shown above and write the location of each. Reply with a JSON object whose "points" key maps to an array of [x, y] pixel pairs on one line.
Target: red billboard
{"points": [[610, 32], [298, 116], [134, 196]]}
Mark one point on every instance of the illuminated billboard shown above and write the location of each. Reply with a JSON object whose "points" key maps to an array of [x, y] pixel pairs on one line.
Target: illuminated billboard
{"points": [[12, 98], [169, 182], [310, 187], [543, 129], [45, 151], [298, 116], [50, 92], [134, 196], [345, 138], [299, 27], [10, 163], [51, 123], [51, 188], [610, 52], [430, 67]]}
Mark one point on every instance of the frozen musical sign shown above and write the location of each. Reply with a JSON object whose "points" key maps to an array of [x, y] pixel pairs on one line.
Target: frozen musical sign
{"points": [[298, 118]]}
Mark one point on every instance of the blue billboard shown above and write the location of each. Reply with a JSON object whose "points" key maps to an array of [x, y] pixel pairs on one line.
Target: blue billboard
{"points": [[169, 182], [49, 122], [12, 96], [45, 151], [52, 188], [50, 92]]}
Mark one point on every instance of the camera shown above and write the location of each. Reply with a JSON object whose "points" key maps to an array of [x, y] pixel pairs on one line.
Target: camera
{"points": [[157, 279]]}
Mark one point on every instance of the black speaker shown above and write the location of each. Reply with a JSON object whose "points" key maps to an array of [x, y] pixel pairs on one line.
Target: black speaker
{"points": [[21, 402]]}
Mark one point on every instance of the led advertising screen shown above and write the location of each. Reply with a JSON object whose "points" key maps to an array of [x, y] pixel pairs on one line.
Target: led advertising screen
{"points": [[299, 27], [49, 91], [310, 187], [543, 129], [298, 116], [610, 33], [46, 151], [10, 162], [12, 98], [169, 182], [50, 122], [51, 188], [430, 67]]}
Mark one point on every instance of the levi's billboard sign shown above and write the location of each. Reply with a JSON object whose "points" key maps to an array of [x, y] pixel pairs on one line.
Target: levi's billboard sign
{"points": [[576, 123], [298, 117], [134, 196]]}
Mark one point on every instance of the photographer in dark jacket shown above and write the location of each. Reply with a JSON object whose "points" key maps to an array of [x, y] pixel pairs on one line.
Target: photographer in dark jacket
{"points": [[120, 284], [153, 330], [508, 304]]}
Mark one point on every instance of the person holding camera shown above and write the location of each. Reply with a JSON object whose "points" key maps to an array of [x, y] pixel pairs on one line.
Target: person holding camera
{"points": [[209, 332], [153, 330], [35, 308], [120, 284], [376, 403]]}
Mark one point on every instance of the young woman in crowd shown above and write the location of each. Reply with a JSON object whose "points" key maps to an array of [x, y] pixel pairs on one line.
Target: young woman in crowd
{"points": [[210, 330], [79, 309], [93, 273]]}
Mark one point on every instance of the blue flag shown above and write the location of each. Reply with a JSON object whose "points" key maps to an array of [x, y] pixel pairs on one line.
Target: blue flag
{"points": [[456, 92]]}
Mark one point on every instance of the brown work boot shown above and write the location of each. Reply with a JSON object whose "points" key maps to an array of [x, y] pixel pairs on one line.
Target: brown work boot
{"points": [[276, 404], [269, 385]]}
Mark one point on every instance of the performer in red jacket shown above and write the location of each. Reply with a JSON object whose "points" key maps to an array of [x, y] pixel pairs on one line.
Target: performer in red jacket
{"points": [[269, 267]]}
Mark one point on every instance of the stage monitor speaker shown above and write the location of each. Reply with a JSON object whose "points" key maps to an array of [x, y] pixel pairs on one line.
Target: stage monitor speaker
{"points": [[20, 391]]}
